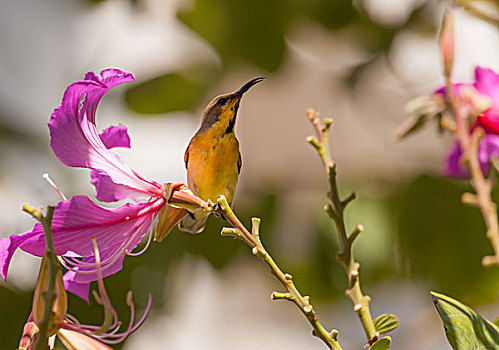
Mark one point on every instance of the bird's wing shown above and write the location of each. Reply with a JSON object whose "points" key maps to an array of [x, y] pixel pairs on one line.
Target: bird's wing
{"points": [[239, 163], [186, 155]]}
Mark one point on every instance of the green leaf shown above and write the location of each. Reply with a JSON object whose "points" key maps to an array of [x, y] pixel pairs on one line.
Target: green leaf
{"points": [[170, 92], [465, 328], [382, 344], [386, 323]]}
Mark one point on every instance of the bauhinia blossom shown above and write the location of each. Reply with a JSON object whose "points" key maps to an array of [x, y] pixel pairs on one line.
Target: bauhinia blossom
{"points": [[487, 85], [72, 333], [76, 142]]}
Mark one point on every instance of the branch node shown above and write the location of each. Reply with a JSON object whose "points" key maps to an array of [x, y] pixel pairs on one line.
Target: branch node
{"points": [[281, 296], [355, 233], [288, 277], [308, 308], [331, 212], [327, 125], [334, 334], [255, 227], [231, 232], [314, 142], [490, 260], [224, 205], [349, 199], [469, 199], [36, 213]]}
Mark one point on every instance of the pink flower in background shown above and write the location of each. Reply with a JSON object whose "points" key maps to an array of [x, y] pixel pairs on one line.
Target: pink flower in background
{"points": [[76, 142], [487, 84]]}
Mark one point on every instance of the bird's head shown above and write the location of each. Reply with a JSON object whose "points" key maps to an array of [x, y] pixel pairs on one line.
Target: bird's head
{"points": [[221, 112]]}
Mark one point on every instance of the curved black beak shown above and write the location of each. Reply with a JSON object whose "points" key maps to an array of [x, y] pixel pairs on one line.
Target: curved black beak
{"points": [[247, 86]]}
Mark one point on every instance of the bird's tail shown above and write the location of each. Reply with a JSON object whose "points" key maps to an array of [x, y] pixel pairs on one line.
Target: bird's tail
{"points": [[194, 222]]}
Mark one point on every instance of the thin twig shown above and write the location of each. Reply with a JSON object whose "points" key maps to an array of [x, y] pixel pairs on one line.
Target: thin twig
{"points": [[335, 210], [483, 186], [469, 142], [292, 294]]}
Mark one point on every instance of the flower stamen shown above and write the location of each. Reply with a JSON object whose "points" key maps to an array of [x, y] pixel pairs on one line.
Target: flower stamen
{"points": [[54, 186]]}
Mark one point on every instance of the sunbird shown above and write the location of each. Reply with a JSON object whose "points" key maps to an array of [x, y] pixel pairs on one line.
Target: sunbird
{"points": [[212, 158]]}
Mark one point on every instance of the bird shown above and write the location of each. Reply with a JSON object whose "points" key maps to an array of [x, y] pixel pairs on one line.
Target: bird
{"points": [[212, 158]]}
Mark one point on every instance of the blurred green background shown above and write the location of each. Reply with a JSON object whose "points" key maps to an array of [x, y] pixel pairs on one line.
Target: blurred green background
{"points": [[356, 61]]}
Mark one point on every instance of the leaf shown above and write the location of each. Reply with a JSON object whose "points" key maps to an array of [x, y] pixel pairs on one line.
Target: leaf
{"points": [[386, 323], [412, 124], [382, 344], [170, 92], [421, 110], [465, 329]]}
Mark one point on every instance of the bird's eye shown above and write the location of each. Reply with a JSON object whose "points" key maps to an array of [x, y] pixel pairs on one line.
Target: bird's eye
{"points": [[222, 101]]}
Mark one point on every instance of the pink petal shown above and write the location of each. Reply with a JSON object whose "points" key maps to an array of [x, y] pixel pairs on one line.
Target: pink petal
{"points": [[74, 137], [487, 150], [79, 289], [74, 340], [456, 87], [76, 221], [115, 136], [107, 191], [487, 83]]}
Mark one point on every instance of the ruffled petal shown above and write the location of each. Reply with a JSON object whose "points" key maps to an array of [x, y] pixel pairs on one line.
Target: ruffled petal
{"points": [[75, 340], [487, 83], [74, 137], [7, 248], [76, 221], [456, 87], [488, 149], [107, 191], [115, 136], [79, 289]]}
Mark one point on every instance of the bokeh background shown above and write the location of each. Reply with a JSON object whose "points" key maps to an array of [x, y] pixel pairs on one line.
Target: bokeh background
{"points": [[357, 62]]}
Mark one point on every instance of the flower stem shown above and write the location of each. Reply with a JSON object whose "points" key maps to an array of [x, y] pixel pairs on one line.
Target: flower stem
{"points": [[335, 210], [483, 186], [292, 294], [49, 295]]}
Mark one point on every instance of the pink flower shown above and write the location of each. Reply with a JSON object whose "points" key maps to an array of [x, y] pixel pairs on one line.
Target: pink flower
{"points": [[486, 84], [73, 333], [76, 142]]}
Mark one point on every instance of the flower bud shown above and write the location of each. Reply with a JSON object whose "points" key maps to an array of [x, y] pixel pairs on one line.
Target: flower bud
{"points": [[447, 42], [29, 332], [168, 217], [60, 305]]}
